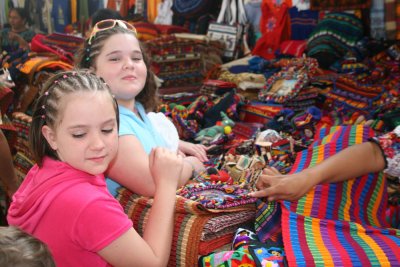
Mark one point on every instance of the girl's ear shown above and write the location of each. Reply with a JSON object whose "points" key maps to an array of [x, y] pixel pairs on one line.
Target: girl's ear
{"points": [[50, 136]]}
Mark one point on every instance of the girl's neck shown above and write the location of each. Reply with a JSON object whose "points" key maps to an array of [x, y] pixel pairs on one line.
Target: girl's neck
{"points": [[129, 104]]}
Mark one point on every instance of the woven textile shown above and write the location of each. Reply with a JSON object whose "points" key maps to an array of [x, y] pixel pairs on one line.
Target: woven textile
{"points": [[351, 94], [190, 220], [337, 5], [341, 224], [23, 159]]}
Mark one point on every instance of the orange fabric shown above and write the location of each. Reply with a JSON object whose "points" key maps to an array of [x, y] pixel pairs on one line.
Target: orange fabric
{"points": [[152, 9], [74, 11]]}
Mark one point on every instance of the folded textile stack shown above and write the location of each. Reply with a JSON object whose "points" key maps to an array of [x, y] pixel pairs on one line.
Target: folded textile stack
{"points": [[23, 159], [181, 62], [197, 230], [349, 93]]}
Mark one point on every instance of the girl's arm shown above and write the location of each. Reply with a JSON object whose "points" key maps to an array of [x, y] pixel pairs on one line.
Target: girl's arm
{"points": [[154, 248], [349, 163], [131, 167]]}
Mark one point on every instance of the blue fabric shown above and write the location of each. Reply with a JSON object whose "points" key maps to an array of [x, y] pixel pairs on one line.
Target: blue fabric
{"points": [[130, 124], [302, 23], [61, 14]]}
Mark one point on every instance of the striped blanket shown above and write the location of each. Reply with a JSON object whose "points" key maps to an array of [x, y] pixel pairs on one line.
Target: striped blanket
{"points": [[197, 229], [341, 224]]}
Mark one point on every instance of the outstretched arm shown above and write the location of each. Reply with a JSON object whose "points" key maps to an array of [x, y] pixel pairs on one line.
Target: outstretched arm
{"points": [[349, 163]]}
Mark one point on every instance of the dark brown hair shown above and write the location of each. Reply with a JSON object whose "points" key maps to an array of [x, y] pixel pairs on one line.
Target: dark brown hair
{"points": [[87, 59], [19, 249], [48, 105]]}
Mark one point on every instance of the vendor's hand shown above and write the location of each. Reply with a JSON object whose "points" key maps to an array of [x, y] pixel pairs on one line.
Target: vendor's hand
{"points": [[197, 150], [17, 38], [14, 37], [275, 186]]}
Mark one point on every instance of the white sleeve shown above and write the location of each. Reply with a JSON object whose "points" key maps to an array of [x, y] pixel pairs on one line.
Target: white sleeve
{"points": [[166, 129]]}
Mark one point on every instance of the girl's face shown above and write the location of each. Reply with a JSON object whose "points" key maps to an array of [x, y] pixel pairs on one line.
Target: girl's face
{"points": [[85, 138], [120, 63], [15, 20]]}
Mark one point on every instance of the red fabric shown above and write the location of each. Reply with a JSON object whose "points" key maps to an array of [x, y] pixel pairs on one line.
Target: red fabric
{"points": [[146, 31], [170, 29], [37, 45], [293, 47], [206, 247], [275, 28]]}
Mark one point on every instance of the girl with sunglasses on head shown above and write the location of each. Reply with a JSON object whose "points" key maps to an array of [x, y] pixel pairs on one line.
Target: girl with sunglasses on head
{"points": [[64, 201], [114, 53]]}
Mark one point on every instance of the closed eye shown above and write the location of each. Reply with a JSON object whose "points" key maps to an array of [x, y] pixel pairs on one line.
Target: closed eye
{"points": [[78, 135], [108, 131]]}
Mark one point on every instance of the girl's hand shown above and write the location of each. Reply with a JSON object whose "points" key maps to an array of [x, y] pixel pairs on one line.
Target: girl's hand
{"points": [[195, 163], [275, 186], [165, 166], [197, 150]]}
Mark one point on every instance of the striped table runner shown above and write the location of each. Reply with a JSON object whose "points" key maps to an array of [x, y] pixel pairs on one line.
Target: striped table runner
{"points": [[341, 224]]}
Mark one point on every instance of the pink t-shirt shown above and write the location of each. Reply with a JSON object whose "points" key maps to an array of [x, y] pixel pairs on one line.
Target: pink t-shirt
{"points": [[76, 218]]}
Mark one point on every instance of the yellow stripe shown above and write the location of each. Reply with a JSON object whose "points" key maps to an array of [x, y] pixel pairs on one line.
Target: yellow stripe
{"points": [[347, 199], [359, 134], [319, 242], [374, 247], [378, 196]]}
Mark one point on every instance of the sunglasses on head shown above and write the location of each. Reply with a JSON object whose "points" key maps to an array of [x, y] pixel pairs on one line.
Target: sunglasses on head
{"points": [[108, 24]]}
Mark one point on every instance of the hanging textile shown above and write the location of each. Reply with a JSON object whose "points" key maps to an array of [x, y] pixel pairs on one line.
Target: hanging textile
{"points": [[377, 16], [61, 14], [339, 5], [274, 26], [119, 5], [152, 9], [390, 19]]}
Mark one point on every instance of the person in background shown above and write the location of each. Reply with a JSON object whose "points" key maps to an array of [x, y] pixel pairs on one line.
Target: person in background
{"points": [[17, 35], [63, 201], [379, 154], [115, 54], [19, 249]]}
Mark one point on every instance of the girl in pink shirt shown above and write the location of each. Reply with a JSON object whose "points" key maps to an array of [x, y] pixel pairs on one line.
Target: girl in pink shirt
{"points": [[63, 200]]}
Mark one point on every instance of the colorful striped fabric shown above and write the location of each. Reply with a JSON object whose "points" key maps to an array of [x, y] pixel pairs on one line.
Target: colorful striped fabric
{"points": [[341, 224], [191, 221]]}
